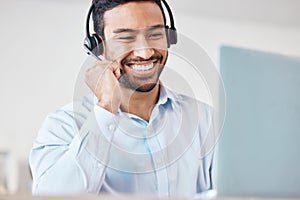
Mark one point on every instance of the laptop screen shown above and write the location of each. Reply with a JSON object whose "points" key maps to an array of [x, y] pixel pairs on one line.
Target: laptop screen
{"points": [[259, 149]]}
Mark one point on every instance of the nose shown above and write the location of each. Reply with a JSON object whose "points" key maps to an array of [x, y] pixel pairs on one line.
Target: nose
{"points": [[142, 49]]}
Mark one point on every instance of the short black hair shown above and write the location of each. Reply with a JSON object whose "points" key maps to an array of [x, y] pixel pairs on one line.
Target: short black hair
{"points": [[101, 6]]}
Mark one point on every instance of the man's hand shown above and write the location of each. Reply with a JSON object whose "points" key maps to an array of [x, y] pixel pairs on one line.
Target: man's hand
{"points": [[102, 79]]}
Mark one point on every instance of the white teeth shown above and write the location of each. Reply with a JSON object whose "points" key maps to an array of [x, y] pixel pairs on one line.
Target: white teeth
{"points": [[142, 67]]}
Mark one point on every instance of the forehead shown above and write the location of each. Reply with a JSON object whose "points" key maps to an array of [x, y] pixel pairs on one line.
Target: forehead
{"points": [[133, 15]]}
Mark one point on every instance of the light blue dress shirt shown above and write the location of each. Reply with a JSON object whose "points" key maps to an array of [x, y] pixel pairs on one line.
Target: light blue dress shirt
{"points": [[83, 148]]}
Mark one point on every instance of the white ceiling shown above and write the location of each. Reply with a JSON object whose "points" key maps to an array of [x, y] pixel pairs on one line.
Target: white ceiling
{"points": [[283, 12]]}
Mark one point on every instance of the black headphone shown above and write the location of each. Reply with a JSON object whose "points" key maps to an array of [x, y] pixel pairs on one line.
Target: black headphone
{"points": [[94, 42]]}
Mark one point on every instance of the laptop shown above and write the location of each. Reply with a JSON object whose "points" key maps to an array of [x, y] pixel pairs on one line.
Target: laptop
{"points": [[259, 147]]}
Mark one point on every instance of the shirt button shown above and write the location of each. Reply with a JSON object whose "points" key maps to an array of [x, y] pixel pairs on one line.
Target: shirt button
{"points": [[99, 165], [111, 128]]}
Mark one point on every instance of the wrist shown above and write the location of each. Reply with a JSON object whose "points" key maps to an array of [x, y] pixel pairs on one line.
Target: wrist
{"points": [[108, 106]]}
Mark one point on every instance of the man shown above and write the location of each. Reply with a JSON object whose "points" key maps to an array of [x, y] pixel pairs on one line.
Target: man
{"points": [[139, 137]]}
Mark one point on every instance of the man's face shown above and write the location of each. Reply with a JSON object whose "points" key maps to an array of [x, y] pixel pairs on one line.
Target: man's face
{"points": [[135, 38]]}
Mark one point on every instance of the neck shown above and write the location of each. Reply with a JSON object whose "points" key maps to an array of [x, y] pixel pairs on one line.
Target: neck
{"points": [[139, 103]]}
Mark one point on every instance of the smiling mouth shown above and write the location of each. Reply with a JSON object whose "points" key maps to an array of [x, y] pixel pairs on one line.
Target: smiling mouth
{"points": [[142, 66]]}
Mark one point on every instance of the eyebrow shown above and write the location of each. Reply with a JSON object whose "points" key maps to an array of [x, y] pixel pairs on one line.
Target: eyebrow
{"points": [[158, 26], [151, 28]]}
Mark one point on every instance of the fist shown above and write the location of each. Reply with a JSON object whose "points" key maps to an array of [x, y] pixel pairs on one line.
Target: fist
{"points": [[102, 79]]}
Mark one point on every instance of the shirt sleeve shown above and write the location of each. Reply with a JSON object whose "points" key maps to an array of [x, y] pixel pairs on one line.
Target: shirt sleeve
{"points": [[63, 159], [207, 137]]}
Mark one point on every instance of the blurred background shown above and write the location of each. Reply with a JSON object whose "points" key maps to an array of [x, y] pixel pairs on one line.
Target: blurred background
{"points": [[41, 55]]}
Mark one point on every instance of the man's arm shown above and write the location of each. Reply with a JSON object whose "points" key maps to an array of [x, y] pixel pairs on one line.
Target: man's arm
{"points": [[61, 159]]}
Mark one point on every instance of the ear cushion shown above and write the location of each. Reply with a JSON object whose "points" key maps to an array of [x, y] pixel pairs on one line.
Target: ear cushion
{"points": [[87, 42], [171, 36], [96, 45]]}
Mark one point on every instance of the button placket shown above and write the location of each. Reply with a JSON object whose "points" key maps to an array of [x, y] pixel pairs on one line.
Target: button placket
{"points": [[160, 167]]}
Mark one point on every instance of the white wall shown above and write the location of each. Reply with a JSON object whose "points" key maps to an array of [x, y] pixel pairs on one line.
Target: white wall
{"points": [[211, 33], [41, 54]]}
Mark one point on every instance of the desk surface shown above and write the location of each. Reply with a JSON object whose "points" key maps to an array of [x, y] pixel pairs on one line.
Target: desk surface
{"points": [[122, 197]]}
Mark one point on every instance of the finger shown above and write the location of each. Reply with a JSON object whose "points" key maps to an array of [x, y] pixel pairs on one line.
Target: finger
{"points": [[103, 64], [107, 65], [116, 69]]}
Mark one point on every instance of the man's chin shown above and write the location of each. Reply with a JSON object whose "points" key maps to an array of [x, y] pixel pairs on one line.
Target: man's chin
{"points": [[146, 88], [140, 88]]}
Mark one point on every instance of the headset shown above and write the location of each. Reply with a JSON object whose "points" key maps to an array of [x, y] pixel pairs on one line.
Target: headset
{"points": [[93, 43]]}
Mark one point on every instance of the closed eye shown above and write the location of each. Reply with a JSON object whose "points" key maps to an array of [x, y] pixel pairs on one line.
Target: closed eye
{"points": [[156, 36], [126, 38]]}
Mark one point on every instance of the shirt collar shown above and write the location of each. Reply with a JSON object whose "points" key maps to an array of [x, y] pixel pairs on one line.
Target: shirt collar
{"points": [[166, 95], [166, 98]]}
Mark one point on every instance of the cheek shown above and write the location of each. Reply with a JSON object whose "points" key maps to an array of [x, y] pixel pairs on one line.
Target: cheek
{"points": [[164, 54], [160, 45], [115, 51]]}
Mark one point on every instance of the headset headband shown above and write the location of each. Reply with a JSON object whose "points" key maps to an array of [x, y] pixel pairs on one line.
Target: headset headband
{"points": [[88, 19], [170, 15]]}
